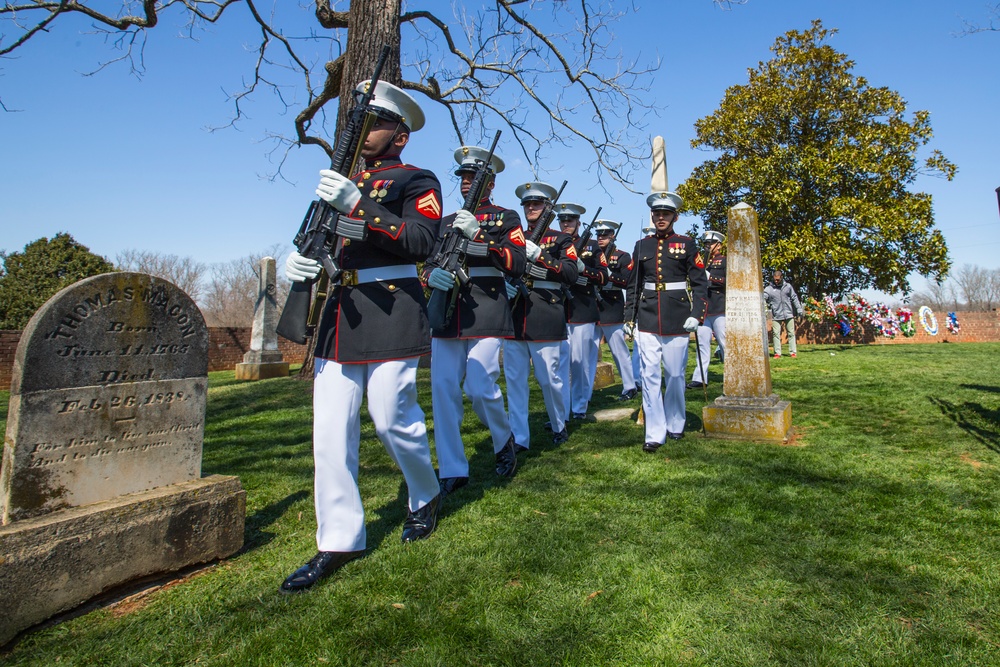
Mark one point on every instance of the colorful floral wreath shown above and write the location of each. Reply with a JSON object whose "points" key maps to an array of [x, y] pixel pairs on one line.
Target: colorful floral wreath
{"points": [[858, 312], [906, 327], [952, 323], [927, 320]]}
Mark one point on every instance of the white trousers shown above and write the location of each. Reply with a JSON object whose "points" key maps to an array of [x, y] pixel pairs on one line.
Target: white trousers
{"points": [[615, 335], [663, 413], [399, 423], [636, 366], [564, 357], [477, 360], [716, 324], [583, 350], [545, 358]]}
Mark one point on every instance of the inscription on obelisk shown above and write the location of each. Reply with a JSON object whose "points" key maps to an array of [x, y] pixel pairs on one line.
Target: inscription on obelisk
{"points": [[108, 396]]}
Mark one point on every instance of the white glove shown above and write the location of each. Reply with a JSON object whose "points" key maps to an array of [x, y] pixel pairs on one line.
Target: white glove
{"points": [[629, 329], [580, 266], [338, 191], [531, 250], [691, 324], [441, 279], [511, 291], [466, 223], [299, 268]]}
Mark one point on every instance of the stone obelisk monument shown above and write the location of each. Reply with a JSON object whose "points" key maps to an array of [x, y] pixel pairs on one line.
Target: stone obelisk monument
{"points": [[263, 360], [748, 409]]}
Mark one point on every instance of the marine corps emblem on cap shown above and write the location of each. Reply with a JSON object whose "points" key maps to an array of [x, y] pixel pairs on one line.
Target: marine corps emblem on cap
{"points": [[570, 210], [470, 157], [668, 200], [535, 190], [394, 104]]}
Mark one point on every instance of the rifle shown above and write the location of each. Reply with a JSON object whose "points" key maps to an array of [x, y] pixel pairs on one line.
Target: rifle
{"points": [[537, 232], [581, 243], [317, 237], [454, 246]]}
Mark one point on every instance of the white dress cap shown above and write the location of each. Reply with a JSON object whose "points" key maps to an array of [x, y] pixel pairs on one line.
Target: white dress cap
{"points": [[535, 190], [567, 209], [606, 226], [712, 236], [668, 200], [470, 157], [395, 104]]}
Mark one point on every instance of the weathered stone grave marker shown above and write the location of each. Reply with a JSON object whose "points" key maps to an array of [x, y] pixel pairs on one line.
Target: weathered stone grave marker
{"points": [[263, 360], [748, 409], [101, 475]]}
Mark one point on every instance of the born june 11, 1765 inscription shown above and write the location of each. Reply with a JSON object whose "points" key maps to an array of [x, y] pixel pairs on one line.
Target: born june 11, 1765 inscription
{"points": [[108, 395]]}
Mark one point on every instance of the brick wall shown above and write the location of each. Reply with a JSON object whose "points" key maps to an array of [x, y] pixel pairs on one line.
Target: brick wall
{"points": [[226, 347]]}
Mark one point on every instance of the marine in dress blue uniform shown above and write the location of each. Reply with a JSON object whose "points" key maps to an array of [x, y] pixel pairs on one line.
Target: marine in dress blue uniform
{"points": [[648, 230], [715, 321], [372, 332], [582, 313], [539, 320], [611, 304], [665, 314], [469, 347]]}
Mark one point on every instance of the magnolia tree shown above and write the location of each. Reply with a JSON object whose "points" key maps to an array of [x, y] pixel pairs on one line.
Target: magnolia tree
{"points": [[829, 162]]}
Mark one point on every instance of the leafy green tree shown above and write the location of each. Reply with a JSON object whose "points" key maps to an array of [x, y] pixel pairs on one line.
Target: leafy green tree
{"points": [[29, 278], [826, 159]]}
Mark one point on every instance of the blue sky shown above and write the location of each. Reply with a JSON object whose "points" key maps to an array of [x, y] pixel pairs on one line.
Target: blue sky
{"points": [[121, 162]]}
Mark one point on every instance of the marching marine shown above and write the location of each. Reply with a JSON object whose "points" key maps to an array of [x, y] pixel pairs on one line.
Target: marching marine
{"points": [[582, 313], [611, 304], [469, 346], [664, 314], [372, 333], [647, 231], [539, 318], [715, 321]]}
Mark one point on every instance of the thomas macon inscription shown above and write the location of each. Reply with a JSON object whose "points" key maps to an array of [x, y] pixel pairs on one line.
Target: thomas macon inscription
{"points": [[108, 396]]}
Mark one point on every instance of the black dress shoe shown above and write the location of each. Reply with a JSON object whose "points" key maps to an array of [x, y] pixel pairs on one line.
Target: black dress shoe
{"points": [[694, 384], [560, 437], [421, 524], [519, 448], [318, 567], [578, 415], [651, 447], [506, 460], [452, 484], [628, 395], [548, 426], [675, 436]]}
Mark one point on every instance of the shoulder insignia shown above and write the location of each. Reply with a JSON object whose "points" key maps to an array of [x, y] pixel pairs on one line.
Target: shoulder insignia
{"points": [[571, 252], [698, 262], [516, 236], [429, 206], [604, 260]]}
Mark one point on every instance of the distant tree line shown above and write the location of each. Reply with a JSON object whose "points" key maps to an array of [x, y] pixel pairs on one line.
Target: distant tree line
{"points": [[971, 288], [225, 292]]}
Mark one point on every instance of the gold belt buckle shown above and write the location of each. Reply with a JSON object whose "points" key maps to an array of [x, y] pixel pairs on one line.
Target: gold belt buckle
{"points": [[660, 287], [349, 277], [529, 283]]}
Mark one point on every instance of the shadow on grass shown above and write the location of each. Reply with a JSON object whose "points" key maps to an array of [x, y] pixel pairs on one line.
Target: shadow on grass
{"points": [[980, 422], [254, 535]]}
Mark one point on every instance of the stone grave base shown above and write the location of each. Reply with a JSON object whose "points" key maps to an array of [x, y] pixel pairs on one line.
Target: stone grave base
{"points": [[605, 375], [262, 371], [748, 419], [55, 562]]}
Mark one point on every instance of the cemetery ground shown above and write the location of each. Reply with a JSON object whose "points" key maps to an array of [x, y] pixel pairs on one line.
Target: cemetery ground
{"points": [[871, 538]]}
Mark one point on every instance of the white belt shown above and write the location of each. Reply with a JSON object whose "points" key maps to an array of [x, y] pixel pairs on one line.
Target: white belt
{"points": [[611, 287], [546, 284], [665, 287], [484, 272], [380, 274]]}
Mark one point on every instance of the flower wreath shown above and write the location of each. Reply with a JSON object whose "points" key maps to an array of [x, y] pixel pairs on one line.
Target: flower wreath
{"points": [[952, 323], [928, 321]]}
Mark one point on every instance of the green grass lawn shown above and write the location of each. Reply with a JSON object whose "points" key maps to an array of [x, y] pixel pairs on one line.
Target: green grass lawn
{"points": [[873, 539]]}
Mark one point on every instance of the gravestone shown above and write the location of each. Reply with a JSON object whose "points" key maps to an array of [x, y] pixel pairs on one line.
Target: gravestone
{"points": [[748, 409], [263, 360], [101, 474]]}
